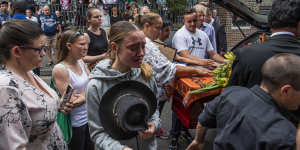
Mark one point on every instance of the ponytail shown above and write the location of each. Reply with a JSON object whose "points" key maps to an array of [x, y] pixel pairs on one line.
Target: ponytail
{"points": [[118, 32], [147, 71]]}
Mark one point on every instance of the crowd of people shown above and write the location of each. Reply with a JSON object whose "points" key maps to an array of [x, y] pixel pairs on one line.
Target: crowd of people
{"points": [[54, 18], [259, 110]]}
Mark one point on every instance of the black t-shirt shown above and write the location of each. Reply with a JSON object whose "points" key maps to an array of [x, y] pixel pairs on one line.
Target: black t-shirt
{"points": [[60, 20], [115, 19], [98, 44], [128, 17]]}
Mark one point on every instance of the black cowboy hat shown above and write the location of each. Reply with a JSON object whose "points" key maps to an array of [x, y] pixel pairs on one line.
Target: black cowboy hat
{"points": [[125, 109]]}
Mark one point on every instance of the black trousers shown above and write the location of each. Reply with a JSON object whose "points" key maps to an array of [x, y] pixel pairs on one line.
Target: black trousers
{"points": [[81, 139], [161, 105], [177, 127]]}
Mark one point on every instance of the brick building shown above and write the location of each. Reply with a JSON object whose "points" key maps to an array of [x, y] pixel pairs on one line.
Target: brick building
{"points": [[232, 32]]}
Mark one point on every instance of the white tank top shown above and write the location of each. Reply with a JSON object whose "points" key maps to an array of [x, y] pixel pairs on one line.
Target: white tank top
{"points": [[79, 83]]}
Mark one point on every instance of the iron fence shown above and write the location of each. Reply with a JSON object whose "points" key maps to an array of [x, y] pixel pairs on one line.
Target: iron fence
{"points": [[76, 14]]}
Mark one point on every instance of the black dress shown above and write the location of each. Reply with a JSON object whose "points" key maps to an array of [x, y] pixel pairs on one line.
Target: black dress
{"points": [[98, 44], [115, 19]]}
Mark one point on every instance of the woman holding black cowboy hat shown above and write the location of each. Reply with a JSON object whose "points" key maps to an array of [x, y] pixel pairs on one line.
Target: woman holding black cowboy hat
{"points": [[120, 94]]}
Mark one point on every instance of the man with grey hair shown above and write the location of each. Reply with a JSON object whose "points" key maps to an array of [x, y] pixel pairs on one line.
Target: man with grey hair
{"points": [[144, 10], [202, 12], [249, 119]]}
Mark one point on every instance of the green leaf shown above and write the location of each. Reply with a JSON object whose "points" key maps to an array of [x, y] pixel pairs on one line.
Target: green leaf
{"points": [[204, 89]]}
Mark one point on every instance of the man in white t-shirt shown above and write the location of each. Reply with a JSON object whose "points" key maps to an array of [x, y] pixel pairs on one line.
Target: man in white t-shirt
{"points": [[193, 43], [110, 1], [29, 16]]}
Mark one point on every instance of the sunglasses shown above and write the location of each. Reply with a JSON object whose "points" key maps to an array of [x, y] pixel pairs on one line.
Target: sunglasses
{"points": [[75, 36], [39, 50]]}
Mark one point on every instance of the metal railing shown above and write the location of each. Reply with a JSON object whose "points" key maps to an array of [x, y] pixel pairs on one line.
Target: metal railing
{"points": [[76, 14]]}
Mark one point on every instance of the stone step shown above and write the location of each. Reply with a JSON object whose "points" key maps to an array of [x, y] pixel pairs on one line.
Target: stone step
{"points": [[47, 79], [45, 74], [46, 71]]}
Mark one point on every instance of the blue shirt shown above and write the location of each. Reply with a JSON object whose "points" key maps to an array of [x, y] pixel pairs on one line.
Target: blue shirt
{"points": [[4, 17], [210, 31], [48, 24], [19, 16]]}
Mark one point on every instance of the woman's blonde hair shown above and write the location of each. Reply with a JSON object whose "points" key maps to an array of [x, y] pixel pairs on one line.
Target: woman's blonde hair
{"points": [[147, 18], [118, 32]]}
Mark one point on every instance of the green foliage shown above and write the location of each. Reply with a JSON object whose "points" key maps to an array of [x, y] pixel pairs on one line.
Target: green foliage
{"points": [[177, 26], [176, 6], [221, 75]]}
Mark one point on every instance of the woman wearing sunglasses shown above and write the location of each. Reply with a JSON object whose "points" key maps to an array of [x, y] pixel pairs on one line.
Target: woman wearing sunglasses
{"points": [[28, 106], [72, 70]]}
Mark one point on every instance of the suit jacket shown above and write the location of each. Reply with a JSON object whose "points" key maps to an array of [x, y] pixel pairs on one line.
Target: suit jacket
{"points": [[246, 69], [221, 41]]}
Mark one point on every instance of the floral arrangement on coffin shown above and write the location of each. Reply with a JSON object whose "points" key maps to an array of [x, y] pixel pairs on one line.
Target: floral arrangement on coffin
{"points": [[221, 75]]}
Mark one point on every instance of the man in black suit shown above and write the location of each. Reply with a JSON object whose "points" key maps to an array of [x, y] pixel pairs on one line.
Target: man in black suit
{"points": [[221, 41], [215, 15], [284, 20]]}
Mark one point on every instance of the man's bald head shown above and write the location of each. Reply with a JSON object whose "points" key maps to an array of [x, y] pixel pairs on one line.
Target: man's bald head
{"points": [[281, 69], [46, 10]]}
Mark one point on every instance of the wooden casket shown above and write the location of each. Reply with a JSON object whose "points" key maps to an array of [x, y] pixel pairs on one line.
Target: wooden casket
{"points": [[187, 107]]}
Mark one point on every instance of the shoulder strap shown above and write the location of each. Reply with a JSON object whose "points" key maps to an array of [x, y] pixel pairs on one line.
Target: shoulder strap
{"points": [[52, 85], [83, 66], [63, 65]]}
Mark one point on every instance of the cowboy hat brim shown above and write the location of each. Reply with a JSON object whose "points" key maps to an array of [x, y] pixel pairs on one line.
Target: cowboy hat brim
{"points": [[106, 109]]}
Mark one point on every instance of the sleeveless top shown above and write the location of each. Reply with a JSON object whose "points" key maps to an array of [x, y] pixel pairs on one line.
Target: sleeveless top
{"points": [[79, 83], [98, 44]]}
